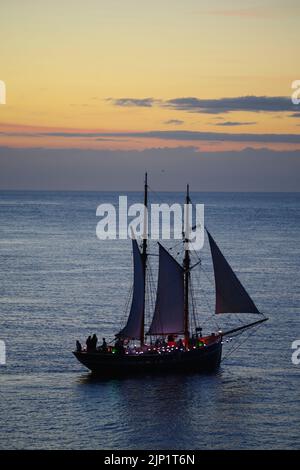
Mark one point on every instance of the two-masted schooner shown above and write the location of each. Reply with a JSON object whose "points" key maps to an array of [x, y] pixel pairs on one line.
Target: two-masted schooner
{"points": [[171, 346]]}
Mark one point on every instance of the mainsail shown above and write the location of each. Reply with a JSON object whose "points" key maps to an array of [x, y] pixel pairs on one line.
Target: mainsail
{"points": [[231, 296], [135, 320], [169, 308]]}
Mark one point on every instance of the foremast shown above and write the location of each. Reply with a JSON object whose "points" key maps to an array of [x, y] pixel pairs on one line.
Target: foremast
{"points": [[144, 256], [186, 265]]}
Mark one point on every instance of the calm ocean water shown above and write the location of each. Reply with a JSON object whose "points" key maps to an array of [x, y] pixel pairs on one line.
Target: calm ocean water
{"points": [[58, 282]]}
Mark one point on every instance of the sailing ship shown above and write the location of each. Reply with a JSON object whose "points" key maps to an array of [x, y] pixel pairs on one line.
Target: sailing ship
{"points": [[169, 345]]}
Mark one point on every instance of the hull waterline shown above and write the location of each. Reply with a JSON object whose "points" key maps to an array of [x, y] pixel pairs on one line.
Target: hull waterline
{"points": [[195, 360]]}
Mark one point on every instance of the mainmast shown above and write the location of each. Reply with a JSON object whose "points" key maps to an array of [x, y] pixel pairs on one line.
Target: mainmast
{"points": [[186, 265], [144, 255]]}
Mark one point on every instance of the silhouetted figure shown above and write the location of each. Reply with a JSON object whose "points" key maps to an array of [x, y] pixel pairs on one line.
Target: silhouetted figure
{"points": [[88, 343], [199, 333], [78, 346], [94, 341], [119, 346], [180, 344], [104, 345], [171, 340]]}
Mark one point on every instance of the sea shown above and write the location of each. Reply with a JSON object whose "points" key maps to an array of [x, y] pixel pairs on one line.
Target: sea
{"points": [[60, 283]]}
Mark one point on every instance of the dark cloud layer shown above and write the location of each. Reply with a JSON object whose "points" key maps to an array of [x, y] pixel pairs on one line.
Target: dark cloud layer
{"points": [[169, 169], [209, 136], [192, 104]]}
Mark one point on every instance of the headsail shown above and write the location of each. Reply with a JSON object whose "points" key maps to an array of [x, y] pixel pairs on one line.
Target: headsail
{"points": [[169, 308], [135, 320], [231, 296]]}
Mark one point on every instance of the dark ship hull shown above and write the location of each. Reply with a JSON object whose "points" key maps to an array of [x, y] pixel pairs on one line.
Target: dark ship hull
{"points": [[203, 359]]}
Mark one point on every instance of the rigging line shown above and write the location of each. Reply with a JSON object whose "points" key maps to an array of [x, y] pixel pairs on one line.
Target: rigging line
{"points": [[149, 286], [205, 274], [149, 302], [156, 193], [148, 309], [251, 333], [159, 317], [239, 344], [208, 304], [151, 283], [202, 294], [202, 269], [163, 202], [172, 248], [194, 265], [151, 291], [193, 304], [126, 306], [176, 244], [194, 291]]}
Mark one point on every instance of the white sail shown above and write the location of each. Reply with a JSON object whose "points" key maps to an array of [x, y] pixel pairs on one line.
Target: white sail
{"points": [[169, 308], [135, 320]]}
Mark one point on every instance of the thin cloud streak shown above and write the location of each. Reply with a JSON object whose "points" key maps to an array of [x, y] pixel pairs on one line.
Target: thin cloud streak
{"points": [[217, 136], [176, 135], [252, 13], [133, 102], [174, 122], [255, 13], [234, 123]]}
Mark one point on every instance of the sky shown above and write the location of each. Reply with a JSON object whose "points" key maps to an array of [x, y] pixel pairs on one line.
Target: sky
{"points": [[90, 83]]}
